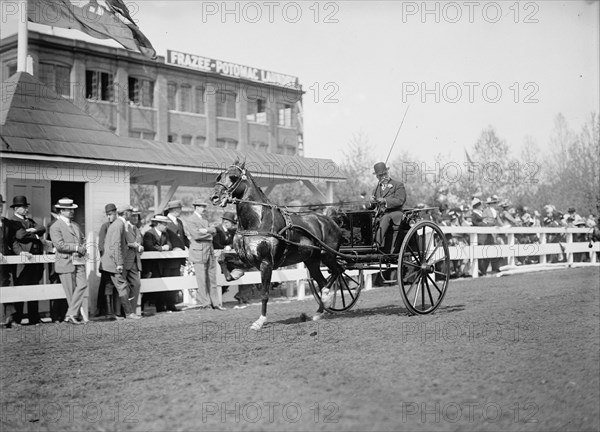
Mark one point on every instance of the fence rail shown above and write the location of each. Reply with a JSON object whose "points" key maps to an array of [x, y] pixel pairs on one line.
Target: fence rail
{"points": [[472, 252]]}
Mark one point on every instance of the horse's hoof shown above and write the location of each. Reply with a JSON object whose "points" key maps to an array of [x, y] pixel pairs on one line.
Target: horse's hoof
{"points": [[257, 325], [326, 297], [317, 317]]}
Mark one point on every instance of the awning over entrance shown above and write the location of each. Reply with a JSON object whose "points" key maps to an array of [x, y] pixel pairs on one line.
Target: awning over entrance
{"points": [[36, 123]]}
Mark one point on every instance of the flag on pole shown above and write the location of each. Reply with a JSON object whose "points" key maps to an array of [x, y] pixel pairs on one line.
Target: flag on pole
{"points": [[471, 165], [102, 19]]}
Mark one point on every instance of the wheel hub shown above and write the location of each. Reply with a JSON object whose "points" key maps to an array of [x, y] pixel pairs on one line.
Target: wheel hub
{"points": [[427, 268]]}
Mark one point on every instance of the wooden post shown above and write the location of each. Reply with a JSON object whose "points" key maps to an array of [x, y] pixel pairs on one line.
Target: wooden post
{"points": [[474, 261], [542, 242], [569, 241], [511, 243]]}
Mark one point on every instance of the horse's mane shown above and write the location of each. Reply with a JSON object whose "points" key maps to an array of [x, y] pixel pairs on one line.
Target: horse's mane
{"points": [[260, 192]]}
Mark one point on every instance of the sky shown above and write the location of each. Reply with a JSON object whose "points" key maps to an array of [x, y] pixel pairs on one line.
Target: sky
{"points": [[453, 68]]}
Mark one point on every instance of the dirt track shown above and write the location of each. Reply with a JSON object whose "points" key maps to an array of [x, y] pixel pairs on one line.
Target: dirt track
{"points": [[517, 353]]}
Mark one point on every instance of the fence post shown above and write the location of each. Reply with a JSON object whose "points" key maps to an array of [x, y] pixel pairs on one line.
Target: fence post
{"points": [[474, 261], [542, 242], [301, 284], [511, 244], [569, 241], [368, 278]]}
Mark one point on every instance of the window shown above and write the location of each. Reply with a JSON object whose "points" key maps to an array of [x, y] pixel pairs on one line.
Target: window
{"points": [[172, 138], [199, 102], [285, 115], [171, 94], [57, 77], [257, 111], [186, 139], [185, 98], [260, 146], [141, 92], [286, 150], [99, 85], [11, 69], [227, 143], [147, 135], [200, 141], [226, 104]]}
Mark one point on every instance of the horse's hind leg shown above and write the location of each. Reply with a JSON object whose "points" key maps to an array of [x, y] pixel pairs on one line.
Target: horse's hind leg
{"points": [[314, 268], [266, 270]]}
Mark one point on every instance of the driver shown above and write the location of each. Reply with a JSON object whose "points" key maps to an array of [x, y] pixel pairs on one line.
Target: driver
{"points": [[389, 196]]}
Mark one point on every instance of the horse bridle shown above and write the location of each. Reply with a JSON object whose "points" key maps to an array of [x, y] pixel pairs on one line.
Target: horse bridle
{"points": [[231, 189]]}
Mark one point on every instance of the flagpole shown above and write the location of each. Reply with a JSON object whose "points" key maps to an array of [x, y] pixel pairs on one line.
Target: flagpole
{"points": [[22, 38]]}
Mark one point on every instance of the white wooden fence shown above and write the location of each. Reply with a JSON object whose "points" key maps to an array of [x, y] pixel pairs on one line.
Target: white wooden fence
{"points": [[473, 252]]}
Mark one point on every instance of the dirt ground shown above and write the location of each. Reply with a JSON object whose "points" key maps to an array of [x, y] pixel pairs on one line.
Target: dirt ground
{"points": [[518, 353]]}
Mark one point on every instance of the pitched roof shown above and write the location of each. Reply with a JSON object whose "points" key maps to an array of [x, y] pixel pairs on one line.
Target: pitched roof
{"points": [[35, 120]]}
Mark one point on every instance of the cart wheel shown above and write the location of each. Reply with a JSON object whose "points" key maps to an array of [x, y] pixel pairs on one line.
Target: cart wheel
{"points": [[344, 290], [424, 263]]}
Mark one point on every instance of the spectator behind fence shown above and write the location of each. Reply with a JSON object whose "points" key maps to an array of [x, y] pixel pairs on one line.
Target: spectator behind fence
{"points": [[482, 239], [6, 270], [107, 303], [27, 241], [70, 260], [179, 241], [156, 240], [113, 260], [58, 307], [133, 260], [203, 257]]}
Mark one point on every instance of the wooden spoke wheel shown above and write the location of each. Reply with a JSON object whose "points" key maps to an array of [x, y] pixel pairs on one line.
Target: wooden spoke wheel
{"points": [[344, 290], [424, 264]]}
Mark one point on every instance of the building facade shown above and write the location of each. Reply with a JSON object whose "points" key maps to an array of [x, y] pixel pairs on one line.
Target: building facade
{"points": [[180, 98]]}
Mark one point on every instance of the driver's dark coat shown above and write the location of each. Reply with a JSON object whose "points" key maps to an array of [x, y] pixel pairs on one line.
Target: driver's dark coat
{"points": [[394, 194]]}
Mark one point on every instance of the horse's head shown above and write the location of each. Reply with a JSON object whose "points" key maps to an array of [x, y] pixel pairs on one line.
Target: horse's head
{"points": [[231, 183]]}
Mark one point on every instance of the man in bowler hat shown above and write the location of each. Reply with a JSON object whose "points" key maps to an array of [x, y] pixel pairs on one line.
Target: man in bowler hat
{"points": [[6, 271], [179, 241], [106, 302], [389, 196], [27, 240]]}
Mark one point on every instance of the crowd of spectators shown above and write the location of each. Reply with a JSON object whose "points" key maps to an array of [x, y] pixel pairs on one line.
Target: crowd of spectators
{"points": [[502, 213], [121, 241]]}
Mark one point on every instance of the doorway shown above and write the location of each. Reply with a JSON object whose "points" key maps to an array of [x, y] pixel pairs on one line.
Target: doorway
{"points": [[74, 191]]}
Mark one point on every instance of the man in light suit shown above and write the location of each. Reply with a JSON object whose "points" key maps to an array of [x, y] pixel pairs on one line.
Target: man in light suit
{"points": [[203, 257], [390, 195], [69, 242], [113, 259]]}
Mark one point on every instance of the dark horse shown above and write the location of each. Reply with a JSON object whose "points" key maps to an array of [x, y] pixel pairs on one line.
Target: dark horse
{"points": [[269, 237]]}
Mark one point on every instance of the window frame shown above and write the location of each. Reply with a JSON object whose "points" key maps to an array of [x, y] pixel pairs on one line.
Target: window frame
{"points": [[144, 90], [224, 102], [109, 90]]}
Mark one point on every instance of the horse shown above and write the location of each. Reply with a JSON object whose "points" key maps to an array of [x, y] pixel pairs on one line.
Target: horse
{"points": [[269, 237]]}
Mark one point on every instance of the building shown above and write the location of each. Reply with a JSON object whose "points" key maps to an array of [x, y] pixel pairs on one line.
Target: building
{"points": [[65, 131], [182, 98]]}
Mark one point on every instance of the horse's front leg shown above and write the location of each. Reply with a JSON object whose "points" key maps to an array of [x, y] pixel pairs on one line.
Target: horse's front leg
{"points": [[266, 270]]}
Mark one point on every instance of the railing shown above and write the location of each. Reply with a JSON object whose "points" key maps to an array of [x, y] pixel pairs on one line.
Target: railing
{"points": [[472, 253], [513, 249]]}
